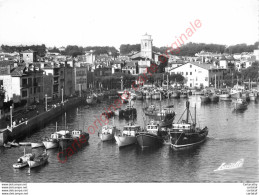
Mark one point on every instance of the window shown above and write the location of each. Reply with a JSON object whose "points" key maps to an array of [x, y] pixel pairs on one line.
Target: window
{"points": [[1, 83], [24, 93], [30, 90], [190, 66], [206, 78], [190, 85], [196, 79], [190, 73], [24, 81], [186, 73]]}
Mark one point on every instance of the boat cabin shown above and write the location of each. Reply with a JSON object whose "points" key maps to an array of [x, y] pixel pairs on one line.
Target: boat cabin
{"points": [[76, 133], [153, 128], [55, 135], [182, 127], [130, 130], [107, 129]]}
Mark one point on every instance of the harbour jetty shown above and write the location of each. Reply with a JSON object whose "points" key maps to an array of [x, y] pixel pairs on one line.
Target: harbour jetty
{"points": [[38, 121]]}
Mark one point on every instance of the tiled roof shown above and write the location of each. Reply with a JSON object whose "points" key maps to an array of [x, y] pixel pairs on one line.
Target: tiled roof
{"points": [[18, 71], [28, 51], [6, 62]]}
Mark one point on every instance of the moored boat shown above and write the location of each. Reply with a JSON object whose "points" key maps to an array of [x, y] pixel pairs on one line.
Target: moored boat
{"points": [[91, 99], [184, 94], [80, 136], [23, 160], [39, 160], [36, 144], [205, 98], [156, 95], [129, 112], [65, 139], [253, 96], [150, 137], [107, 133], [185, 133], [214, 98], [127, 136], [52, 142], [150, 110], [167, 116], [224, 95], [240, 104], [176, 94]]}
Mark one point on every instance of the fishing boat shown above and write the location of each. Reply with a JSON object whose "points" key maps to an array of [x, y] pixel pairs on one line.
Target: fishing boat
{"points": [[205, 98], [167, 116], [148, 96], [127, 136], [236, 90], [36, 144], [129, 112], [150, 110], [65, 139], [139, 96], [150, 137], [186, 133], [176, 94], [80, 135], [107, 133], [39, 160], [240, 104], [91, 99], [224, 95], [7, 145], [253, 96], [156, 95], [25, 143], [214, 97], [52, 142], [184, 94], [23, 160]]}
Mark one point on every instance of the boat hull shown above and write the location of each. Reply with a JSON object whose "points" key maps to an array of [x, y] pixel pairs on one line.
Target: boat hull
{"points": [[156, 96], [182, 140], [106, 137], [125, 140], [65, 143], [214, 98], [145, 139], [36, 145], [34, 163], [205, 99], [20, 165], [240, 106], [50, 144]]}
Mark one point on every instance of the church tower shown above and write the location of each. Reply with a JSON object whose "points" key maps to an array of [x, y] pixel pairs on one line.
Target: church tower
{"points": [[146, 46]]}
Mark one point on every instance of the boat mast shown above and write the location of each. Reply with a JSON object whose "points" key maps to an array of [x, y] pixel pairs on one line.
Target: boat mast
{"points": [[215, 81], [195, 115], [187, 109], [65, 120], [56, 126]]}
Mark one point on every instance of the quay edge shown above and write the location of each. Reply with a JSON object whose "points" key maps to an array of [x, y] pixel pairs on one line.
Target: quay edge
{"points": [[38, 121]]}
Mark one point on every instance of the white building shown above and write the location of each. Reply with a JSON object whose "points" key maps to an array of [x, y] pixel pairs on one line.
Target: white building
{"points": [[146, 46], [200, 75]]}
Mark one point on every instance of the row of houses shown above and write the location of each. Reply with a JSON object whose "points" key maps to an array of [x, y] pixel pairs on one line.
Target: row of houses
{"points": [[31, 82]]}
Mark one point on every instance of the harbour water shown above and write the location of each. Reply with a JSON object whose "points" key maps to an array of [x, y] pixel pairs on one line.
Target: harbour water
{"points": [[232, 136]]}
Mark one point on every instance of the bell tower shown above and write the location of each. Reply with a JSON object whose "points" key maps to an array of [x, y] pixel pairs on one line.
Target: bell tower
{"points": [[146, 46]]}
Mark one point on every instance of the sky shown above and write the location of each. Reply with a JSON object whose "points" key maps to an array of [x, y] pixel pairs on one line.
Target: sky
{"points": [[115, 22]]}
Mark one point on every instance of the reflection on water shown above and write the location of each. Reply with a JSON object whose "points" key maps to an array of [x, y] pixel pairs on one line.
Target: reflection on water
{"points": [[232, 135]]}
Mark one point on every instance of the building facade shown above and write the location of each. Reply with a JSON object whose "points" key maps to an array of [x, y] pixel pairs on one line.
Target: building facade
{"points": [[200, 75]]}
